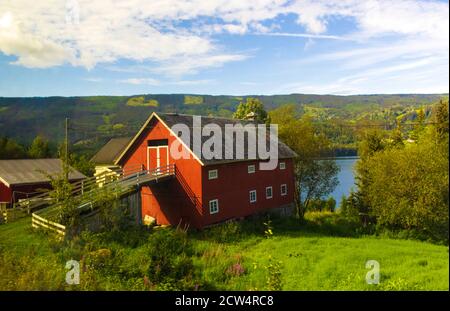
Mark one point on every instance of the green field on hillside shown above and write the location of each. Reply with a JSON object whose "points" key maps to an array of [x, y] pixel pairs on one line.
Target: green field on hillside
{"points": [[236, 256]]}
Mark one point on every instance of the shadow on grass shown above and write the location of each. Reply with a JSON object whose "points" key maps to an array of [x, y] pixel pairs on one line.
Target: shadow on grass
{"points": [[314, 225]]}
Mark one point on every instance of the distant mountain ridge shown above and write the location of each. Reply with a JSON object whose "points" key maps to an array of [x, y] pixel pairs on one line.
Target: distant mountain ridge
{"points": [[100, 117]]}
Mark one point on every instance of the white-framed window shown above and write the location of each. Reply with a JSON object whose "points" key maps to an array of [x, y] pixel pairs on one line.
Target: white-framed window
{"points": [[269, 192], [214, 206], [252, 194], [282, 165], [251, 169], [213, 174], [283, 189]]}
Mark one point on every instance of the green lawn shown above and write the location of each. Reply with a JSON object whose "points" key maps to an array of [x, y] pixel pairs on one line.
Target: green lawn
{"points": [[312, 256], [336, 263]]}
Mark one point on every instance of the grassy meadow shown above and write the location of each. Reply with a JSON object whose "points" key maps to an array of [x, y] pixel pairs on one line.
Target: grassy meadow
{"points": [[324, 253]]}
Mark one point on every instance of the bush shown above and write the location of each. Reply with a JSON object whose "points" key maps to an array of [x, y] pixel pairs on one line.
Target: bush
{"points": [[222, 233], [330, 204], [169, 261], [406, 190], [320, 205]]}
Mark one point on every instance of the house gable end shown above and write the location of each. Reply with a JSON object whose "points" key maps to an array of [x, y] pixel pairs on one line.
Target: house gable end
{"points": [[144, 131]]}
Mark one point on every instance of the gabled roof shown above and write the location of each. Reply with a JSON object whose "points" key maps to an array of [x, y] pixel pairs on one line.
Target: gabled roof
{"points": [[170, 119], [32, 171], [110, 152]]}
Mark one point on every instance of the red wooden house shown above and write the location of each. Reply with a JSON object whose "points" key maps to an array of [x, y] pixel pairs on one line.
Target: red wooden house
{"points": [[203, 191]]}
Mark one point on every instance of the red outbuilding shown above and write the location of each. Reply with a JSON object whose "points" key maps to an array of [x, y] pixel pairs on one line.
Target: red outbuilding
{"points": [[205, 191], [20, 179]]}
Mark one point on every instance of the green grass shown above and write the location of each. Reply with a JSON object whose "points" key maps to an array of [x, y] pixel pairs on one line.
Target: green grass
{"points": [[321, 254], [334, 263]]}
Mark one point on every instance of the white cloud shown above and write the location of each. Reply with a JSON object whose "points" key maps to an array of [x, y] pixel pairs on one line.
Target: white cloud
{"points": [[85, 33], [303, 35], [155, 82], [95, 80], [426, 75], [140, 81], [192, 82], [30, 50], [192, 65]]}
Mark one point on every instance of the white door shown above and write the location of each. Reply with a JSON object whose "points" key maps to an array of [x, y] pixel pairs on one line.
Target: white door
{"points": [[157, 157]]}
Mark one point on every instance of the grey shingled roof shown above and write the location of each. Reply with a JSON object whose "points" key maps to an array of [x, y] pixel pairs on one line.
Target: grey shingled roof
{"points": [[171, 119], [32, 171], [111, 151]]}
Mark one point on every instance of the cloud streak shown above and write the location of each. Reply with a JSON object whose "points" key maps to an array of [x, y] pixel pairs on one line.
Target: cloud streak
{"points": [[174, 38]]}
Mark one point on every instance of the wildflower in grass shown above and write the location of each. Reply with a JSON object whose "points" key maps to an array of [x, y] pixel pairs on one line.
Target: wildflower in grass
{"points": [[268, 232], [236, 269]]}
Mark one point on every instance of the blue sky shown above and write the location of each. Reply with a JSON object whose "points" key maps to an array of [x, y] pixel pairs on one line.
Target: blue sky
{"points": [[108, 47]]}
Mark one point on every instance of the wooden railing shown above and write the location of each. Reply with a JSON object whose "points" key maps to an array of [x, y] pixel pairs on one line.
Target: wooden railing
{"points": [[125, 182], [80, 187]]}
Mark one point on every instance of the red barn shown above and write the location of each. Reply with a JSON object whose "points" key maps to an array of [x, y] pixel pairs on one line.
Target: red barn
{"points": [[204, 191], [20, 179]]}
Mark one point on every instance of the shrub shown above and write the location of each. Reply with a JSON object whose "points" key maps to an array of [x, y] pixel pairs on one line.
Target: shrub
{"points": [[330, 204], [97, 259], [226, 232], [405, 189], [169, 262]]}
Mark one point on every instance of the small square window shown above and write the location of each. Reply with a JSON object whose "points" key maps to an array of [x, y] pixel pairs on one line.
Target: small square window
{"points": [[251, 169], [214, 206], [283, 189], [252, 196], [213, 174], [282, 165], [269, 192]]}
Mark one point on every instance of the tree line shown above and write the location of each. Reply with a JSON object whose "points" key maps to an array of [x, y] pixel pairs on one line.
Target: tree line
{"points": [[40, 149], [11, 149]]}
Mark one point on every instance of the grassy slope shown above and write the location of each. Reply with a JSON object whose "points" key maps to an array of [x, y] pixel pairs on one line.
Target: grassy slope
{"points": [[311, 260], [336, 263]]}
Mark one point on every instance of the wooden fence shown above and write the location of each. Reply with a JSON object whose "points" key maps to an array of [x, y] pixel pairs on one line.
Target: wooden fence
{"points": [[40, 222], [11, 214]]}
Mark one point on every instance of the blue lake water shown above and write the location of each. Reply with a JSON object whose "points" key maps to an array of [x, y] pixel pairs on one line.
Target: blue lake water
{"points": [[346, 177]]}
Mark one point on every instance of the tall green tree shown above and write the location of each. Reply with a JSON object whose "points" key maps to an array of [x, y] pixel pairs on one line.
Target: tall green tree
{"points": [[371, 141], [10, 149], [82, 164], [39, 148], [420, 124], [315, 178], [252, 106], [397, 135], [441, 118]]}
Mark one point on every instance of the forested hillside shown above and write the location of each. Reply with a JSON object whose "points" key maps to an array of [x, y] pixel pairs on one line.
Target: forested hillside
{"points": [[93, 120]]}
